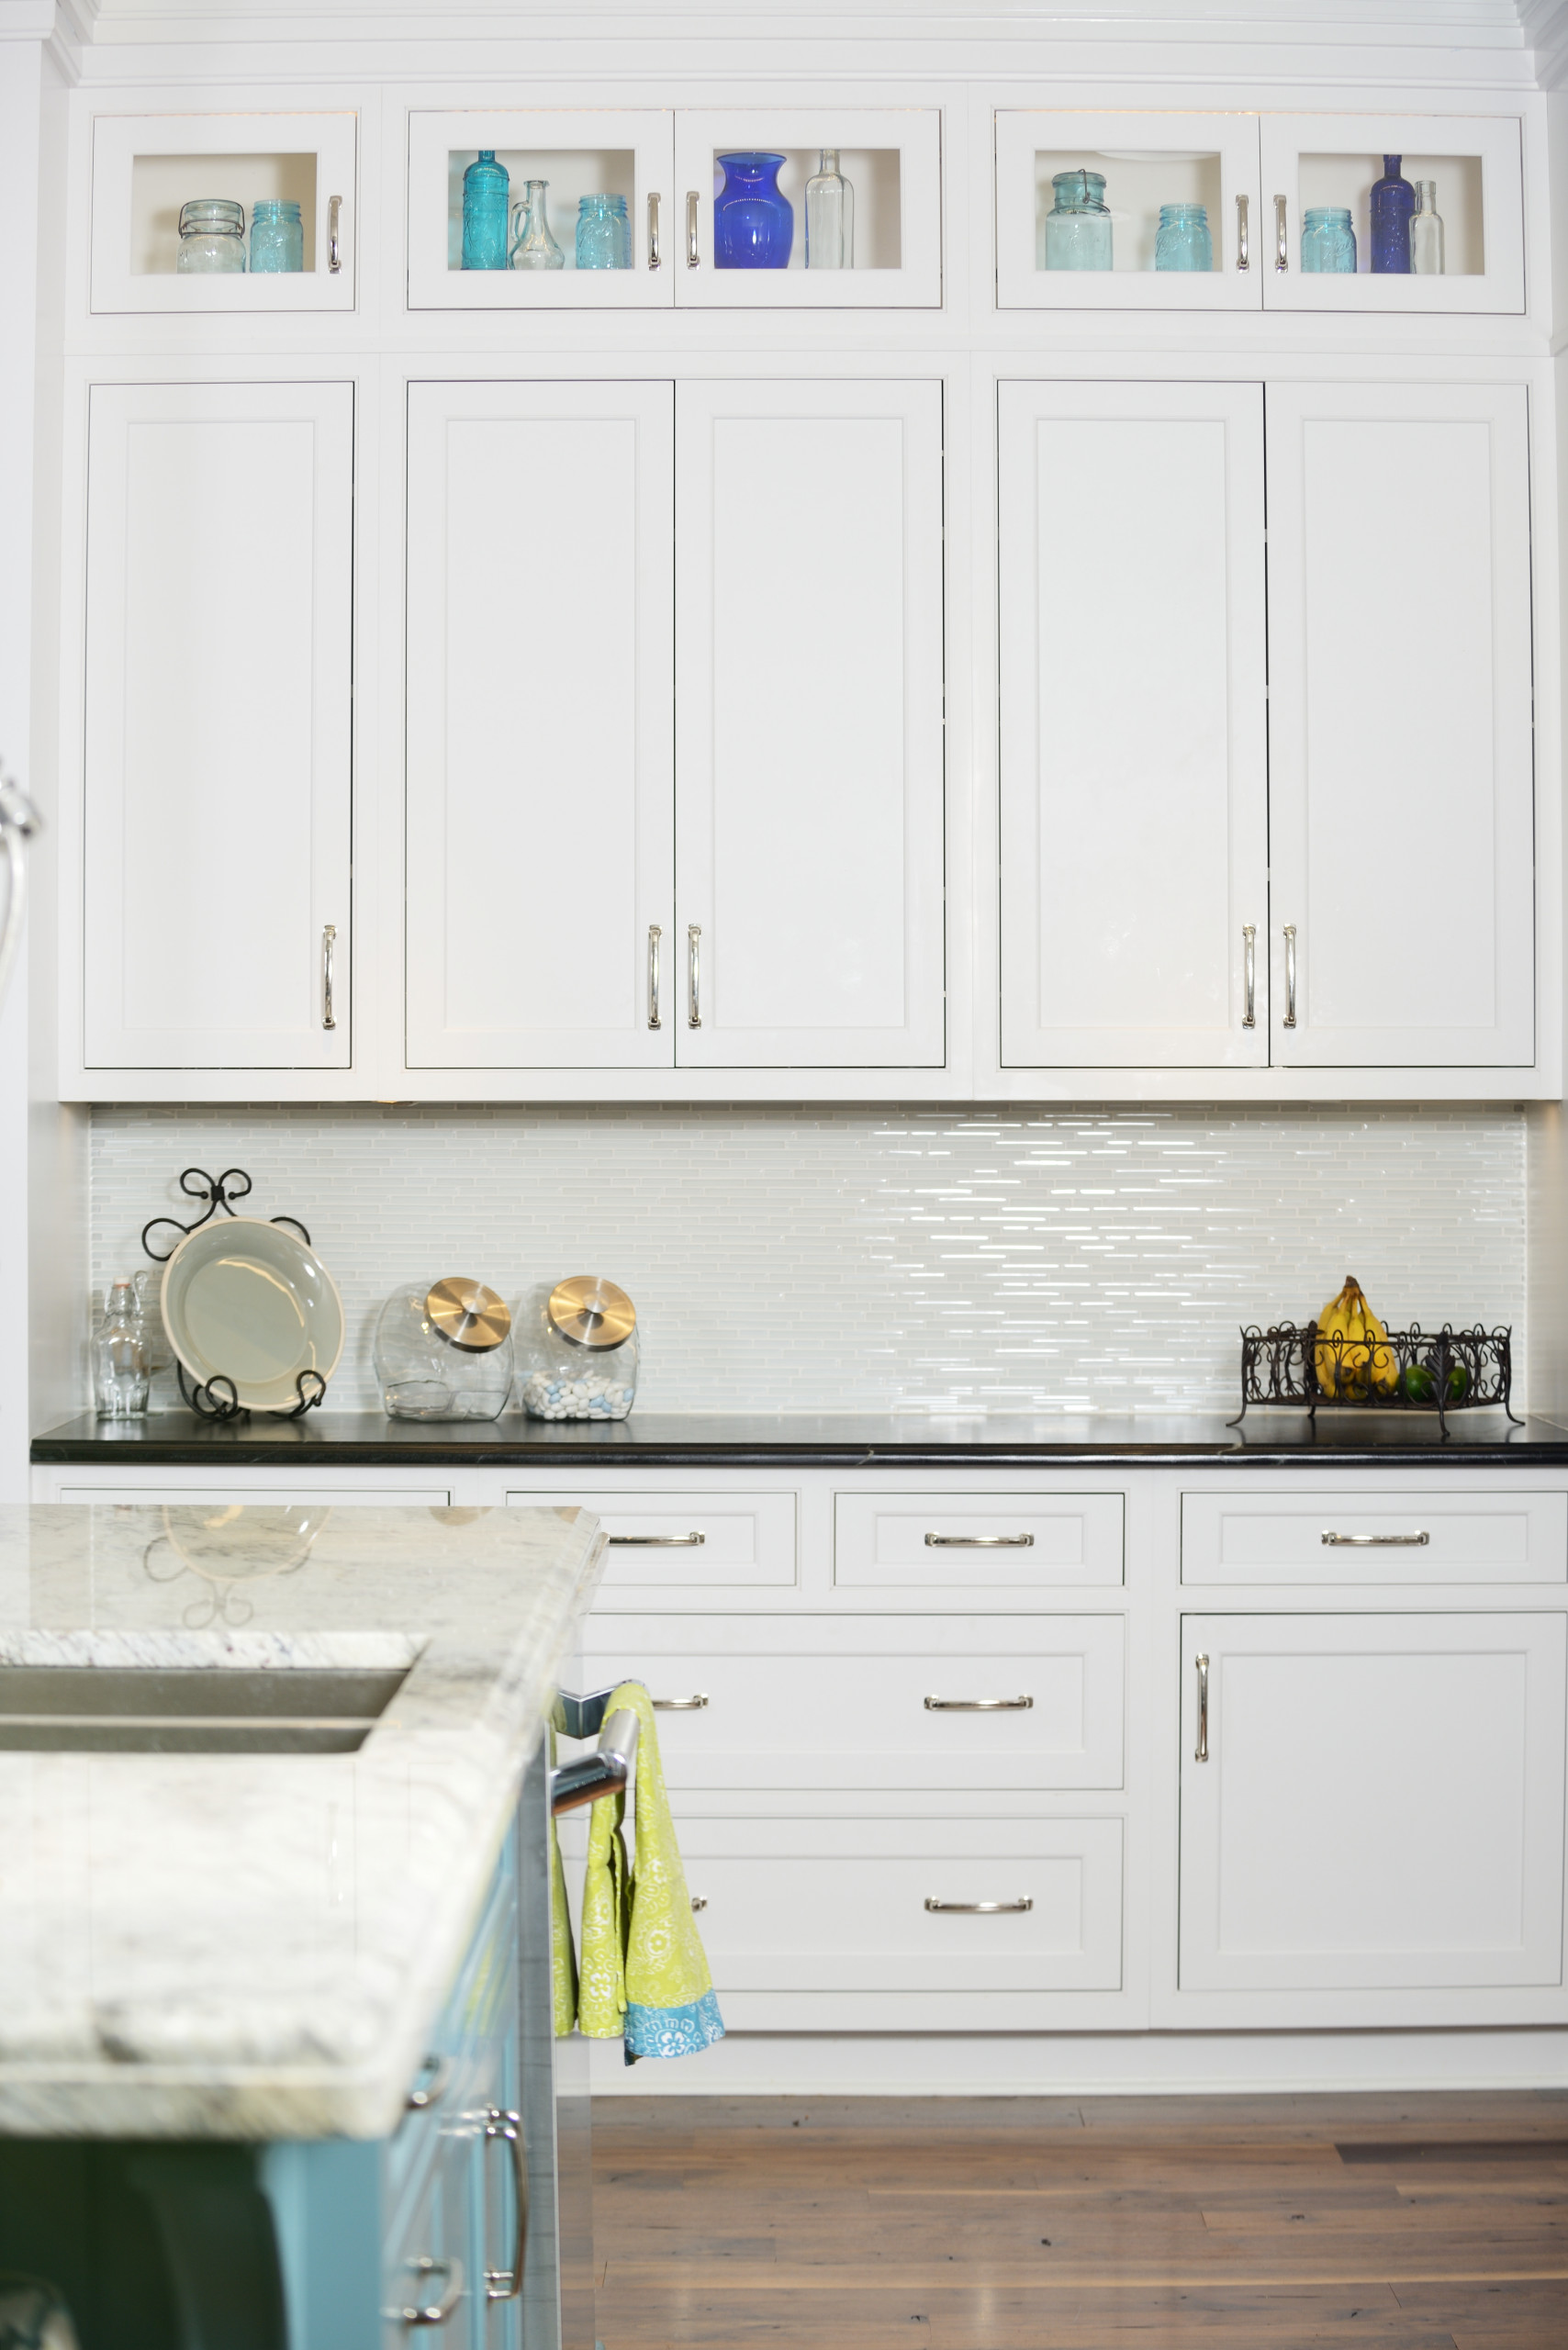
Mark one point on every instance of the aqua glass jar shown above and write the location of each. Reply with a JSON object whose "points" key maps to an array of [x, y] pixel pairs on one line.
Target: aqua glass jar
{"points": [[604, 233], [278, 235], [487, 187], [1182, 239], [1077, 229], [212, 238], [1327, 241]]}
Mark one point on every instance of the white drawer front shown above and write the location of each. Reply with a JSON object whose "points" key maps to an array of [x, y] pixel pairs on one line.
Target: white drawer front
{"points": [[743, 1541], [839, 1905], [970, 1541], [1280, 1537], [858, 1717]]}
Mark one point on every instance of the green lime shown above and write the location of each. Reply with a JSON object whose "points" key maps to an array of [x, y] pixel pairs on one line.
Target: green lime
{"points": [[1419, 1384], [1457, 1386]]}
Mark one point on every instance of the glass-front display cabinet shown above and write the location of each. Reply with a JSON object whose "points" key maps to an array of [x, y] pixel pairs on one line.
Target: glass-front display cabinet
{"points": [[241, 212]]}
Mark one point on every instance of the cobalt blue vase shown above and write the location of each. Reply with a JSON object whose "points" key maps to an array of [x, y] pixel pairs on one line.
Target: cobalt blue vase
{"points": [[1392, 202], [754, 225]]}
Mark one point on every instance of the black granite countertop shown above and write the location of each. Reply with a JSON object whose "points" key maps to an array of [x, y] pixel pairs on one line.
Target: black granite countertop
{"points": [[786, 1440]]}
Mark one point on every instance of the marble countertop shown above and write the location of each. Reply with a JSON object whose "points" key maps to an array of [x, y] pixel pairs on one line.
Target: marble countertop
{"points": [[256, 1946]]}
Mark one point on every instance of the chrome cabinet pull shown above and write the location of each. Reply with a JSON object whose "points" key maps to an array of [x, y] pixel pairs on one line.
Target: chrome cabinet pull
{"points": [[431, 2085], [1243, 253], [655, 258], [655, 936], [694, 974], [693, 257], [693, 1704], [979, 1542], [656, 1541], [1249, 974], [980, 1909], [334, 223], [1377, 1541], [434, 2312], [699, 1901], [1290, 975], [978, 1704], [329, 944], [1201, 1753], [1281, 234], [506, 2284]]}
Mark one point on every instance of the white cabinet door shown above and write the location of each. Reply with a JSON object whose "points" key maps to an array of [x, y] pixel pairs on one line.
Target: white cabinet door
{"points": [[218, 702], [810, 844], [540, 780], [1134, 726], [1401, 794], [1381, 1805]]}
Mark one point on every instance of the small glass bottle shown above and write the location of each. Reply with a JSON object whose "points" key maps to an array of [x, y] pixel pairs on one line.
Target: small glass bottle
{"points": [[1392, 202], [533, 246], [830, 216], [278, 235], [1327, 241], [212, 238], [1182, 239], [1077, 231], [486, 187], [122, 1369], [1426, 232], [604, 233]]}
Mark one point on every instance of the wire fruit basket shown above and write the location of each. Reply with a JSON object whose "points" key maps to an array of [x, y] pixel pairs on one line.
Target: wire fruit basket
{"points": [[1437, 1371]]}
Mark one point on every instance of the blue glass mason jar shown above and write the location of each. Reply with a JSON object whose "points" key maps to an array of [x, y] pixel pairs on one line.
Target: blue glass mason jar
{"points": [[486, 185], [604, 233], [1327, 241], [1076, 233], [754, 224], [1182, 239], [1392, 202], [278, 235]]}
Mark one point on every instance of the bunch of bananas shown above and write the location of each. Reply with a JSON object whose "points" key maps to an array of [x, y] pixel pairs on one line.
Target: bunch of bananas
{"points": [[1353, 1356]]}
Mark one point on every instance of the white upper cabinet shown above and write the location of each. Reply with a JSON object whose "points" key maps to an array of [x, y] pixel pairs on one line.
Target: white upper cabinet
{"points": [[809, 723], [1134, 726], [1400, 725], [540, 828], [145, 167], [1114, 174], [1330, 163], [219, 702]]}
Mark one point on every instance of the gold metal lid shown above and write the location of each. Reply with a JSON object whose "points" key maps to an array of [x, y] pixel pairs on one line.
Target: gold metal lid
{"points": [[591, 1312], [468, 1315]]}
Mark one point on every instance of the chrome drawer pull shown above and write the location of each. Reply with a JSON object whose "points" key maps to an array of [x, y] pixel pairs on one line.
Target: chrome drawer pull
{"points": [[1281, 236], [428, 2090], [694, 975], [693, 1704], [1377, 1541], [434, 2312], [1243, 257], [980, 1908], [655, 936], [655, 258], [328, 945], [693, 257], [506, 2284], [1249, 979], [979, 1542], [334, 247], [1201, 1751], [656, 1541], [978, 1704], [1289, 1021]]}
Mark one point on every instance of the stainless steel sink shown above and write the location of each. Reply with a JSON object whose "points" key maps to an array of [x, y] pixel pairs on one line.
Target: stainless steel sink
{"points": [[157, 1709]]}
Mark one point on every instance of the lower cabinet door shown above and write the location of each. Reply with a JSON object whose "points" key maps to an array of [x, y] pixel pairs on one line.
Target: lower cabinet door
{"points": [[1371, 1802]]}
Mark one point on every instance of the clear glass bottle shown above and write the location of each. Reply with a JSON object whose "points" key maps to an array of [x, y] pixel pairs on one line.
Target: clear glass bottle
{"points": [[1392, 202], [443, 1351], [278, 235], [532, 246], [1076, 230], [121, 1368], [577, 1351], [604, 233], [1426, 232], [1182, 239], [486, 187], [212, 238], [830, 216], [1327, 241]]}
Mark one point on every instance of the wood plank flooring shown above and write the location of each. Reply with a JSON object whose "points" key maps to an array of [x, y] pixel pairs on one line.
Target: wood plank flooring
{"points": [[1408, 2223]]}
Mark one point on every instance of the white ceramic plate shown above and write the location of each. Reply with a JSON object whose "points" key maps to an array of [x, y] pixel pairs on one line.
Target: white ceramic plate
{"points": [[248, 1300]]}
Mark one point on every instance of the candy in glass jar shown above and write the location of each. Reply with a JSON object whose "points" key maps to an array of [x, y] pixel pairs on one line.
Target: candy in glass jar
{"points": [[578, 1352]]}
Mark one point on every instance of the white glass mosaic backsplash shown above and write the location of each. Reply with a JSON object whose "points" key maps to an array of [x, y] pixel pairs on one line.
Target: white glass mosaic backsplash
{"points": [[869, 1260]]}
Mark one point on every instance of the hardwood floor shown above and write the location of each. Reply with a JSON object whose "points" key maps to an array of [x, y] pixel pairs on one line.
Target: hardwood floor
{"points": [[1417, 2223]]}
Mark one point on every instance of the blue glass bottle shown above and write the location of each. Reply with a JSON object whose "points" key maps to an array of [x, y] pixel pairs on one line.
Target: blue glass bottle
{"points": [[486, 187], [1392, 202], [1182, 239], [604, 233], [754, 225], [1076, 232], [1327, 241], [278, 235]]}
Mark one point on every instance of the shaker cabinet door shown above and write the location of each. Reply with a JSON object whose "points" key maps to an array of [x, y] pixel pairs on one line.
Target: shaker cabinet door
{"points": [[810, 842], [1400, 728], [1134, 726], [217, 710], [540, 778]]}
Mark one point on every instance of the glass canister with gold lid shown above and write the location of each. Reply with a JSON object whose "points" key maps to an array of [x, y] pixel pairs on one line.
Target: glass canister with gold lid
{"points": [[577, 1348], [444, 1351]]}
